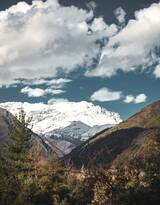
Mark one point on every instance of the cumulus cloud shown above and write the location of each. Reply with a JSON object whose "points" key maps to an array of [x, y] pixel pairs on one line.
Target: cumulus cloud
{"points": [[33, 92], [39, 92], [105, 94], [135, 99], [120, 14], [102, 29], [46, 39], [135, 46], [140, 98], [129, 99]]}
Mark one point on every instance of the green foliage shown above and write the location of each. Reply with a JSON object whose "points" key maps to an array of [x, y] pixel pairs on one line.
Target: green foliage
{"points": [[138, 182], [16, 162], [23, 181]]}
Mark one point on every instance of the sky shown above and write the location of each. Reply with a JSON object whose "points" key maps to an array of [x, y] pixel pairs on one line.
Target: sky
{"points": [[104, 52]]}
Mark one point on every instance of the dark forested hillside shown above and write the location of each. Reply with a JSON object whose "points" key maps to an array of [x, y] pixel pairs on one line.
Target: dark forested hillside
{"points": [[132, 135]]}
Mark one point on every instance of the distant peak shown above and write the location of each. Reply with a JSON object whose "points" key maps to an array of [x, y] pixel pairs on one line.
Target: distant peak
{"points": [[46, 118]]}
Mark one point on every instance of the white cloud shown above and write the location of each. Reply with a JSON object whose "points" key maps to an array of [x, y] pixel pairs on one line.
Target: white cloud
{"points": [[140, 98], [58, 83], [135, 99], [105, 94], [39, 92], [120, 15], [129, 99], [44, 39], [157, 71], [102, 29], [54, 91], [57, 100], [33, 92], [134, 47]]}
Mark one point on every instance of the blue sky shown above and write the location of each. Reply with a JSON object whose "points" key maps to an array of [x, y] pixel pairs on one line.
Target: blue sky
{"points": [[106, 52]]}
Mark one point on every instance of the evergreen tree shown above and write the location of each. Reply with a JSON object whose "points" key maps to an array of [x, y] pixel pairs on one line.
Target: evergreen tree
{"points": [[16, 162], [24, 181]]}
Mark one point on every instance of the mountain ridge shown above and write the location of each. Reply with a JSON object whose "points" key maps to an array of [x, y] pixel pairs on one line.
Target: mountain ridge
{"points": [[104, 148]]}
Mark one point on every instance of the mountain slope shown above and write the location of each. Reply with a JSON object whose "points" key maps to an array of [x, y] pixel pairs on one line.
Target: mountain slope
{"points": [[105, 147], [7, 121]]}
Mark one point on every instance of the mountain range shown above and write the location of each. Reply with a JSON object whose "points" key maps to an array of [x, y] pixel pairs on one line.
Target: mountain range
{"points": [[110, 146], [65, 124]]}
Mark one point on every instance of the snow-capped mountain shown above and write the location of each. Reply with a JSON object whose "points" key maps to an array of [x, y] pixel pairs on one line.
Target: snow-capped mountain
{"points": [[66, 123]]}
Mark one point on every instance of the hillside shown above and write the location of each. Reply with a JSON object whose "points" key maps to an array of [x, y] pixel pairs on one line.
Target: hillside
{"points": [[120, 143], [7, 122]]}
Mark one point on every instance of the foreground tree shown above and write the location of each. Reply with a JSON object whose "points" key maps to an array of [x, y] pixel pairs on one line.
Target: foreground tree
{"points": [[16, 163], [24, 181]]}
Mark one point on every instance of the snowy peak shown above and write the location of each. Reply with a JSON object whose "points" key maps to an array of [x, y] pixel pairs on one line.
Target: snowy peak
{"points": [[47, 118], [65, 125]]}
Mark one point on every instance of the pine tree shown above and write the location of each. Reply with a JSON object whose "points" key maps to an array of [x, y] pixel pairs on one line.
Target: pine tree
{"points": [[16, 162], [24, 181]]}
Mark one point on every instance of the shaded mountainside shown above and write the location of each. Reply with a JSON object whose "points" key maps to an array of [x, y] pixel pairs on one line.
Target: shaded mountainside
{"points": [[118, 144], [143, 145], [7, 121]]}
